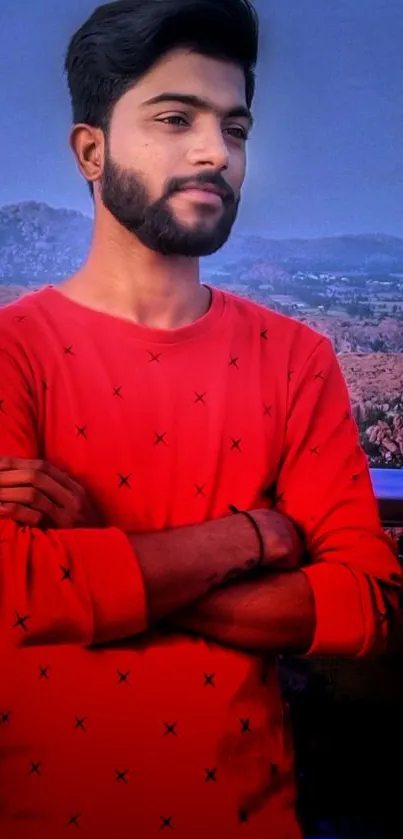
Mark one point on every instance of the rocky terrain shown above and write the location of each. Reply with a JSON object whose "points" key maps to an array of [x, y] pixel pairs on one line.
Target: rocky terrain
{"points": [[356, 335], [324, 282]]}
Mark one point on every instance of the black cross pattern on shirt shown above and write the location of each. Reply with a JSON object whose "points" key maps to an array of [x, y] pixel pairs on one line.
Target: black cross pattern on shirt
{"points": [[117, 391], [347, 416], [268, 410], [74, 820], [5, 717], [121, 777], [315, 451], [154, 357], [124, 480], [80, 723], [200, 490], [45, 385], [236, 444], [66, 574], [21, 621], [2, 411], [44, 672], [68, 350], [166, 823], [81, 431], [233, 362], [20, 318], [355, 477], [123, 677], [319, 376], [35, 768], [245, 726], [243, 817], [209, 680], [160, 439], [211, 775], [170, 728], [200, 398], [264, 335]]}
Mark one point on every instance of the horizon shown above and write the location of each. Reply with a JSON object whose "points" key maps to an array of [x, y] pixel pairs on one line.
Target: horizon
{"points": [[244, 232]]}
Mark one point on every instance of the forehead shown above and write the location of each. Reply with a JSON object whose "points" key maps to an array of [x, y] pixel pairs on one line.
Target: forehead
{"points": [[222, 82]]}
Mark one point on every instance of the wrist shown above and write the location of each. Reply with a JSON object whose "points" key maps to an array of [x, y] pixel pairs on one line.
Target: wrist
{"points": [[258, 533]]}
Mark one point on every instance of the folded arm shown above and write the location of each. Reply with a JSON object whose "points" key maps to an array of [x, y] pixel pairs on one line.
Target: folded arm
{"points": [[344, 601], [93, 585], [270, 614]]}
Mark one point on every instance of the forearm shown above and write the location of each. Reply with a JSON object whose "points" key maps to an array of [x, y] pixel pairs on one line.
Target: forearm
{"points": [[91, 586], [182, 565], [272, 614], [326, 609]]}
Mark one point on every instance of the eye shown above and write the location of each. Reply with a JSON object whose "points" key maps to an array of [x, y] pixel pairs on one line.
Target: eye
{"points": [[174, 119], [237, 132]]}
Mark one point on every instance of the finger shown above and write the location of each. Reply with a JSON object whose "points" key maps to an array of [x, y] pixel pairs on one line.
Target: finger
{"points": [[63, 478], [20, 514], [11, 464], [33, 499], [46, 485], [7, 463]]}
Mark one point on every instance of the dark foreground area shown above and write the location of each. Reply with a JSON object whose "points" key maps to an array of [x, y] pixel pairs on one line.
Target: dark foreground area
{"points": [[348, 728]]}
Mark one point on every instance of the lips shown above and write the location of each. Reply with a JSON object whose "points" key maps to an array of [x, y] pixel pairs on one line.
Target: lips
{"points": [[210, 188]]}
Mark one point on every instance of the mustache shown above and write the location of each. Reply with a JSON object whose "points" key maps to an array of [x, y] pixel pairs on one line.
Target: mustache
{"points": [[203, 179]]}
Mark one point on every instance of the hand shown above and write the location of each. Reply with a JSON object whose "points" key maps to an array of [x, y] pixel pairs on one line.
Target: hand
{"points": [[284, 547], [36, 493]]}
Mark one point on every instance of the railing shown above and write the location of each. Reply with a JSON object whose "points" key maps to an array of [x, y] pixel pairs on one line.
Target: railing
{"points": [[388, 486]]}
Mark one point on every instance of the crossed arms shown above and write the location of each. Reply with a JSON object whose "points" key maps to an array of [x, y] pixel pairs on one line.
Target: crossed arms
{"points": [[90, 585]]}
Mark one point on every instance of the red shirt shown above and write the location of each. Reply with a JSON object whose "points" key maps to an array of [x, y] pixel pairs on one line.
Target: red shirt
{"points": [[144, 733]]}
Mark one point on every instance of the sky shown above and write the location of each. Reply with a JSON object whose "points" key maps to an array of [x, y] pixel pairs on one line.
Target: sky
{"points": [[326, 156]]}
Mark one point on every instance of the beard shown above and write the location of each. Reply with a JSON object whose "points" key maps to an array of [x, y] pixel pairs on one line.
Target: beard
{"points": [[154, 224]]}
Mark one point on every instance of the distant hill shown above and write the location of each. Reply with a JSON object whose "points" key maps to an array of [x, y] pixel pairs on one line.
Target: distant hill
{"points": [[39, 244], [377, 253]]}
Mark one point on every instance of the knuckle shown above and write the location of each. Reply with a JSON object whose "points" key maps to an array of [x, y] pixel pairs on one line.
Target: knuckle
{"points": [[46, 505], [34, 496]]}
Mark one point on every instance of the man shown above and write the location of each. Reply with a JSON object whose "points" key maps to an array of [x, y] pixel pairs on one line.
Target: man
{"points": [[139, 411]]}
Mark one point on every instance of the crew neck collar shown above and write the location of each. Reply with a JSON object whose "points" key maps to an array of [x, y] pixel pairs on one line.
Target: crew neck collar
{"points": [[78, 312]]}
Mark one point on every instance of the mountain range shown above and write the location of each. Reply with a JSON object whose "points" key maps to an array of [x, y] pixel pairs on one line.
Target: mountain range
{"points": [[41, 244]]}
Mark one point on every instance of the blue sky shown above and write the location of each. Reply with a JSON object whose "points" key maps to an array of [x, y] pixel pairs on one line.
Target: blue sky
{"points": [[327, 151]]}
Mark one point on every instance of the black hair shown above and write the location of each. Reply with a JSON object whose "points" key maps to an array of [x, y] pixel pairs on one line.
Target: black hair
{"points": [[121, 41]]}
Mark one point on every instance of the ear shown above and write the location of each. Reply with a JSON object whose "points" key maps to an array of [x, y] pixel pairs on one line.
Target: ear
{"points": [[88, 146]]}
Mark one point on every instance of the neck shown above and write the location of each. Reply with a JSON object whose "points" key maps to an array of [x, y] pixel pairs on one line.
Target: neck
{"points": [[123, 278]]}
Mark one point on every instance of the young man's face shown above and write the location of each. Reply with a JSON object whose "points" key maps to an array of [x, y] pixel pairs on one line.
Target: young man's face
{"points": [[157, 150]]}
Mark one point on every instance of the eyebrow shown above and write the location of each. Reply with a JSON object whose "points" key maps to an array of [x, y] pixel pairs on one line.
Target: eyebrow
{"points": [[201, 104]]}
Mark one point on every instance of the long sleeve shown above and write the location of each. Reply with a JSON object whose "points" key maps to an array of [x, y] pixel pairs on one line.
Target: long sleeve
{"points": [[79, 586], [324, 484]]}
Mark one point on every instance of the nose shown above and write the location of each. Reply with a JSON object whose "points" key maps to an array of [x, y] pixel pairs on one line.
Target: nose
{"points": [[209, 148]]}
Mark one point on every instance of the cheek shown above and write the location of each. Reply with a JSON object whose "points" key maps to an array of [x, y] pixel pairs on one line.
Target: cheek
{"points": [[153, 161]]}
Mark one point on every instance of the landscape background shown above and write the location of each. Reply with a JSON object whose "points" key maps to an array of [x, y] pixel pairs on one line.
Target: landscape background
{"points": [[349, 288], [320, 234]]}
